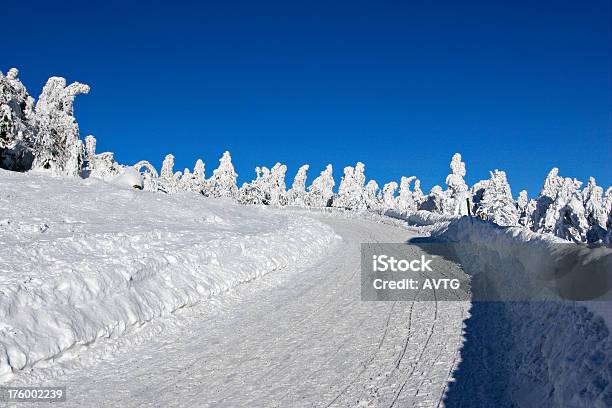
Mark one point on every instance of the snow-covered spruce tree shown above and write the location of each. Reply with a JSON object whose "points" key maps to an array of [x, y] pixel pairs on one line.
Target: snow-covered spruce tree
{"points": [[371, 196], [436, 201], [595, 211], [351, 189], [357, 200], [223, 181], [345, 189], [188, 182], [199, 173], [548, 193], [405, 200], [167, 181], [524, 209], [608, 206], [321, 191], [389, 201], [90, 154], [418, 195], [496, 203], [256, 192], [277, 187], [17, 123], [565, 217], [458, 188], [58, 131], [560, 209], [296, 196]]}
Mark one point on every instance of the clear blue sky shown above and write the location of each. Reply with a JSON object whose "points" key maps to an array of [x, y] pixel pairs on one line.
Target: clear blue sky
{"points": [[399, 85]]}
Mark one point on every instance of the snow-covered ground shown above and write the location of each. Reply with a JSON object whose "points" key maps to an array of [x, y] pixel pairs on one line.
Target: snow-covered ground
{"points": [[82, 260], [132, 298], [81, 279]]}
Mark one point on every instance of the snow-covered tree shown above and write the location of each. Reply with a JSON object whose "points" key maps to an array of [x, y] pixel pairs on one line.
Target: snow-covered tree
{"points": [[168, 182], [525, 208], [258, 191], [17, 123], [57, 140], [296, 196], [223, 181], [357, 194], [496, 203], [167, 170], [278, 193], [593, 197], [351, 189], [199, 173], [608, 206], [418, 195], [321, 191], [595, 211], [560, 209], [388, 196], [90, 154], [405, 200], [189, 182], [343, 199], [565, 216], [552, 185], [105, 166], [371, 195], [150, 177], [436, 201], [456, 184]]}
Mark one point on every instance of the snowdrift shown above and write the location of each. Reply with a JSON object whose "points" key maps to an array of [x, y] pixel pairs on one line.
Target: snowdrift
{"points": [[82, 260], [553, 352]]}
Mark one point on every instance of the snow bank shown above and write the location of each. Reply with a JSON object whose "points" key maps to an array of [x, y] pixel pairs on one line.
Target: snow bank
{"points": [[83, 259], [545, 353], [420, 218]]}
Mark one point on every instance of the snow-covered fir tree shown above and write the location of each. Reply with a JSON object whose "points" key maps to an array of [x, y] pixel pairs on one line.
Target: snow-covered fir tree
{"points": [[595, 211], [296, 196], [258, 191], [418, 195], [436, 201], [548, 193], [523, 208], [188, 182], [357, 191], [457, 187], [371, 196], [560, 209], [57, 140], [405, 200], [389, 201], [167, 181], [223, 181], [345, 189], [17, 123], [321, 191], [496, 203], [278, 188], [199, 173]]}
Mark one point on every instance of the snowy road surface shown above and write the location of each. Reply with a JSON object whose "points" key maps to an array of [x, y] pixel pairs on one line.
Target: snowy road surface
{"points": [[291, 338]]}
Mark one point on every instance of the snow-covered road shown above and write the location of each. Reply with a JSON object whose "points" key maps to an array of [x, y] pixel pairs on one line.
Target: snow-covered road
{"points": [[291, 338]]}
